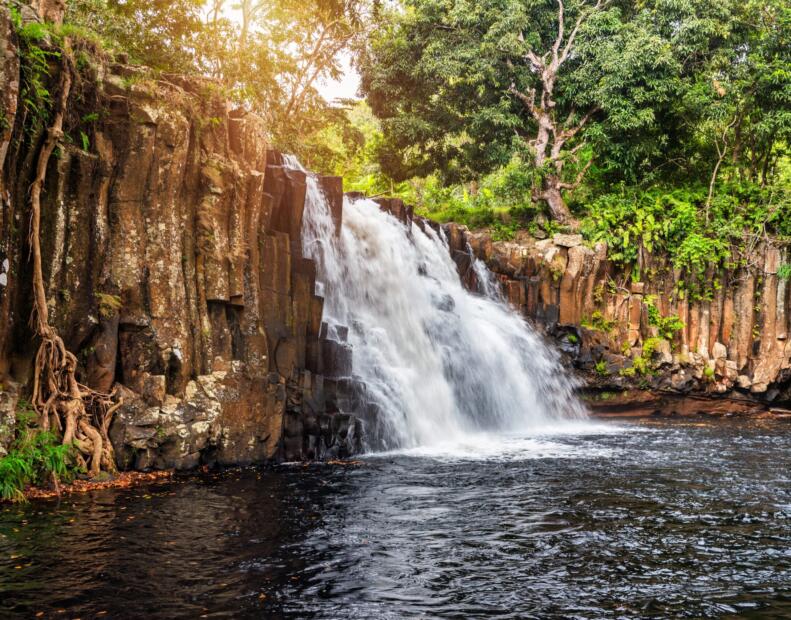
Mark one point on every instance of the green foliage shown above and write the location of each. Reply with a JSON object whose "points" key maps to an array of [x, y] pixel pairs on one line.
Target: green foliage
{"points": [[34, 458], [597, 322], [268, 55], [634, 223], [644, 365], [35, 57], [784, 272], [668, 326], [601, 368], [683, 95], [442, 76], [500, 202]]}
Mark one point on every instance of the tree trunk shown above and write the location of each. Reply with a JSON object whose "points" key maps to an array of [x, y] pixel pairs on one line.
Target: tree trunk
{"points": [[557, 206]]}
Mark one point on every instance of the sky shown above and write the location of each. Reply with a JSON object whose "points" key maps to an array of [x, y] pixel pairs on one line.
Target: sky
{"points": [[344, 88]]}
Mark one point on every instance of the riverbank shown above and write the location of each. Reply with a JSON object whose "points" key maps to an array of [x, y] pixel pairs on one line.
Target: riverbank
{"points": [[646, 403], [121, 480]]}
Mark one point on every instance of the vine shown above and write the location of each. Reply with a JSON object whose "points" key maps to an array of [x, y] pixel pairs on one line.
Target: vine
{"points": [[81, 415]]}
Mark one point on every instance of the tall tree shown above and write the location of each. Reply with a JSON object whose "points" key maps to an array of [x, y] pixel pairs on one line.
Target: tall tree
{"points": [[270, 55], [627, 87]]}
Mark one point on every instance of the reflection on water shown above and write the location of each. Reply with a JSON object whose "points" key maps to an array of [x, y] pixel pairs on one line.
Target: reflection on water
{"points": [[682, 519]]}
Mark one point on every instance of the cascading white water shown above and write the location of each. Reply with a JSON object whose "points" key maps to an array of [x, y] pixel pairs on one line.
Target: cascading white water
{"points": [[438, 361]]}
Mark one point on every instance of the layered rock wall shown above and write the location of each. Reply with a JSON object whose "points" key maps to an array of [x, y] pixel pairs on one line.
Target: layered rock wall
{"points": [[174, 270], [734, 341]]}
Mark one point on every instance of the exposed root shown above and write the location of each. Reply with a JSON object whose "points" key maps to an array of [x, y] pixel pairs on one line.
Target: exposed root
{"points": [[64, 405]]}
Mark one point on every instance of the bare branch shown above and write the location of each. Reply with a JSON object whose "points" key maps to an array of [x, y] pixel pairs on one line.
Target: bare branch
{"points": [[528, 100], [573, 152], [721, 152], [570, 133], [538, 63], [561, 27]]}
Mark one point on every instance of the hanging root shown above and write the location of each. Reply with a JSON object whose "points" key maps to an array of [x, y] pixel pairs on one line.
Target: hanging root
{"points": [[64, 405]]}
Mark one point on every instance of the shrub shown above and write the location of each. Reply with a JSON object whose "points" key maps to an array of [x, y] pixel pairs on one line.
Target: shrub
{"points": [[668, 326], [35, 457], [672, 221], [597, 322]]}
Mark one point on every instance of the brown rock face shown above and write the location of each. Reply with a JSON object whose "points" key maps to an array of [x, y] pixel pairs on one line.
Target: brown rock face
{"points": [[735, 343], [174, 267], [9, 87]]}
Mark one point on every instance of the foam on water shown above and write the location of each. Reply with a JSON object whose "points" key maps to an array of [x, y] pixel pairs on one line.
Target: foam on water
{"points": [[567, 439], [441, 365]]}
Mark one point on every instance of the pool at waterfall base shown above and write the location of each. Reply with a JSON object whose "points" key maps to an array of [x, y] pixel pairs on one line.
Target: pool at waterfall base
{"points": [[651, 518]]}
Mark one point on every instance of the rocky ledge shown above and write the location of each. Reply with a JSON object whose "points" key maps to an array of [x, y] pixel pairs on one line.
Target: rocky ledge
{"points": [[625, 333]]}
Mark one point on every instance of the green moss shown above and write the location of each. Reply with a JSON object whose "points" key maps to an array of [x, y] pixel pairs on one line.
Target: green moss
{"points": [[109, 305], [597, 322]]}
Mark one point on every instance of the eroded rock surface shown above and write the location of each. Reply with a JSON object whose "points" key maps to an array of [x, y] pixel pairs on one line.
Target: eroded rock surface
{"points": [[734, 343], [174, 268]]}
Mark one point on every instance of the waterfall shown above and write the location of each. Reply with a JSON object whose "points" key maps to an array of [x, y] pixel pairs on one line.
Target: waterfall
{"points": [[438, 362]]}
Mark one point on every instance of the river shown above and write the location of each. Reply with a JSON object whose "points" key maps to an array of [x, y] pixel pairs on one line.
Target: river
{"points": [[684, 518]]}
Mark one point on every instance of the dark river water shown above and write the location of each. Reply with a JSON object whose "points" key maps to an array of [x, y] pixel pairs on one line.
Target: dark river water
{"points": [[627, 520]]}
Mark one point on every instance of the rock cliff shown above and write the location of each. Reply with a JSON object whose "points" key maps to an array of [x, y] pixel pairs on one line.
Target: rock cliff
{"points": [[174, 268], [625, 333]]}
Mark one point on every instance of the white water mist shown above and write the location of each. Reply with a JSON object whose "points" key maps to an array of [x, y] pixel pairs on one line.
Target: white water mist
{"points": [[438, 361]]}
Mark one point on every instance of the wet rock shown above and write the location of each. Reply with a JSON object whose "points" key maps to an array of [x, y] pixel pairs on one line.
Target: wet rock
{"points": [[682, 381], [718, 345]]}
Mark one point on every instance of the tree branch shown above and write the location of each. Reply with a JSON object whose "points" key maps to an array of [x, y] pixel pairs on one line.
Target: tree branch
{"points": [[528, 100], [561, 27], [580, 175], [583, 17]]}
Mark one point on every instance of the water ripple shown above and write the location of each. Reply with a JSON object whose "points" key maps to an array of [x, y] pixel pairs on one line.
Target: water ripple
{"points": [[665, 520]]}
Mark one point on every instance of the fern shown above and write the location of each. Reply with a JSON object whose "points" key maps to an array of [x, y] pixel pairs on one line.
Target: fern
{"points": [[34, 458]]}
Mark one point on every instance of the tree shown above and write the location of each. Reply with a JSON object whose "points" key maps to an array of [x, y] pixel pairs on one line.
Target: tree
{"points": [[732, 93], [462, 85], [553, 134], [633, 91], [270, 59]]}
